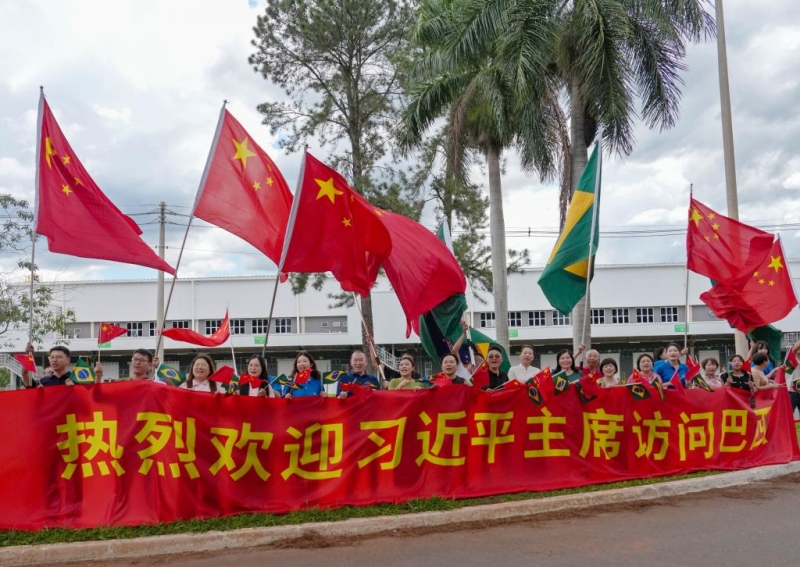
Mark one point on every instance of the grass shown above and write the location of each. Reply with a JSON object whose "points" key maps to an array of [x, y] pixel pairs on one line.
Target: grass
{"points": [[61, 535]]}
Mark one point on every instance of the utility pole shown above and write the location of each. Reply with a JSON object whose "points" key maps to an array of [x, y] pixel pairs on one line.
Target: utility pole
{"points": [[727, 141], [162, 229]]}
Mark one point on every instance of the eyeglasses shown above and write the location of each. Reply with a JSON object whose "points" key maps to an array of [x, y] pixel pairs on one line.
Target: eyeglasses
{"points": [[57, 357], [139, 360]]}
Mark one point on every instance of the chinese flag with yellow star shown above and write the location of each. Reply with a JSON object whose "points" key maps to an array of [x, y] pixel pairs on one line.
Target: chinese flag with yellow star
{"points": [[109, 332], [722, 248], [72, 211], [332, 230], [767, 296], [242, 191]]}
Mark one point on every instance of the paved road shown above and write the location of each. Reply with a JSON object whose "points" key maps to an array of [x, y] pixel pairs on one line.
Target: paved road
{"points": [[754, 525]]}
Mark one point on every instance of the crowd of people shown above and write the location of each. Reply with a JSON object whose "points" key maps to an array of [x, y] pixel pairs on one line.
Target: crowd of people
{"points": [[754, 373]]}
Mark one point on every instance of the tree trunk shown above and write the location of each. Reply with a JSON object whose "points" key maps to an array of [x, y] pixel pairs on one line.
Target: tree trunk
{"points": [[498, 233], [579, 158]]}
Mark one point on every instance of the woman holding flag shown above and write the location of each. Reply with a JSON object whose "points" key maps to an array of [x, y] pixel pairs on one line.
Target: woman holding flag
{"points": [[258, 379], [566, 366], [305, 380], [644, 365], [448, 374], [666, 369], [197, 378]]}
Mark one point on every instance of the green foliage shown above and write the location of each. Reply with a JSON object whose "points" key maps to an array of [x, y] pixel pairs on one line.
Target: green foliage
{"points": [[15, 297], [5, 378]]}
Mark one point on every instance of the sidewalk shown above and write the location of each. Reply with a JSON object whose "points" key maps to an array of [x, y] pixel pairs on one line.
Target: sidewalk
{"points": [[360, 527]]}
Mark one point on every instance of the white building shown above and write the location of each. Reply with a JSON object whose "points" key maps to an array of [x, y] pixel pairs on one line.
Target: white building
{"points": [[634, 309]]}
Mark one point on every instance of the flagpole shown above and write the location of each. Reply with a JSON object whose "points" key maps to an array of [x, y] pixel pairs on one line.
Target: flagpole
{"points": [[686, 286], [595, 213], [287, 239], [200, 188], [35, 210], [373, 351], [230, 337]]}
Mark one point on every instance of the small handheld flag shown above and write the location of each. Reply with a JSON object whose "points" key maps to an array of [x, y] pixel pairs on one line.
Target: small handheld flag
{"points": [[82, 372], [560, 383], [171, 375], [480, 378], [791, 362], [638, 391], [302, 376], [27, 362], [284, 380], [108, 332], [332, 377], [223, 375]]}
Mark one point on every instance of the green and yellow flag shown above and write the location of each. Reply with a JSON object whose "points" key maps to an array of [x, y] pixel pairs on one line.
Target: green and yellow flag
{"points": [[170, 375], [82, 372], [564, 279]]}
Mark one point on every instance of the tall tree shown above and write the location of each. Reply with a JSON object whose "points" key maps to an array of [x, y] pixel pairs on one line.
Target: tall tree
{"points": [[15, 297], [340, 65], [483, 111], [605, 55]]}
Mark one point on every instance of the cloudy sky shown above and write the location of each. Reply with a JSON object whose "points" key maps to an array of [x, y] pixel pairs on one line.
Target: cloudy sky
{"points": [[137, 87]]}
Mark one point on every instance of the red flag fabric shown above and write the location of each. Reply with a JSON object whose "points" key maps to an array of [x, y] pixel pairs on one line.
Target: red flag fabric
{"points": [[480, 378], [249, 379], [636, 377], [780, 375], [109, 332], [589, 385], [693, 367], [27, 362], [332, 230], [243, 191], [767, 296], [188, 336], [721, 248], [302, 376], [422, 270], [223, 375], [544, 382], [675, 381], [72, 211]]}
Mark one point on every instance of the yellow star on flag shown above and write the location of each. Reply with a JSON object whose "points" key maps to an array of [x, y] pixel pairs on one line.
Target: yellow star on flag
{"points": [[105, 327], [346, 222], [326, 189], [66, 190], [772, 282], [708, 239], [256, 185], [379, 212], [49, 151], [715, 226], [716, 236], [65, 159], [755, 274], [242, 152], [270, 181], [761, 281], [775, 263], [696, 217], [712, 216], [78, 181]]}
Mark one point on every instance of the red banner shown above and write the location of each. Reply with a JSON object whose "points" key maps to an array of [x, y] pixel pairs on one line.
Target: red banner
{"points": [[139, 452]]}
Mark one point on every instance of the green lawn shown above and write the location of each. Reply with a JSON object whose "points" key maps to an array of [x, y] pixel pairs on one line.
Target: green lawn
{"points": [[59, 535]]}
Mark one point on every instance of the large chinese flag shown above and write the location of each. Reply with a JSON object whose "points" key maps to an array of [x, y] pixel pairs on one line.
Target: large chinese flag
{"points": [[767, 296], [422, 270], [72, 211], [188, 336], [721, 248], [332, 230], [242, 191]]}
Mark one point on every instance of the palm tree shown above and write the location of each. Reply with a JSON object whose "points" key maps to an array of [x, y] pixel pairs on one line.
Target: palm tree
{"points": [[605, 55], [479, 102]]}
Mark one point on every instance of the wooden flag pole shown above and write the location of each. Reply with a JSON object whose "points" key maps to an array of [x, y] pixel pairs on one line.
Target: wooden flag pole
{"points": [[370, 342]]}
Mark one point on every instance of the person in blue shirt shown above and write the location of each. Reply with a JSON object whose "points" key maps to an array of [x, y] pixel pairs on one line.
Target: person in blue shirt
{"points": [[357, 375], [666, 368], [762, 347], [305, 375]]}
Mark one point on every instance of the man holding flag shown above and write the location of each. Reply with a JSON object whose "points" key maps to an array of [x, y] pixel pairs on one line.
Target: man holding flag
{"points": [[59, 359]]}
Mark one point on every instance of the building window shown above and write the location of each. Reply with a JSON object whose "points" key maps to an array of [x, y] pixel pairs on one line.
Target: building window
{"points": [[237, 327], [515, 319], [598, 316], [560, 318], [181, 324], [212, 325], [152, 325], [537, 319], [487, 319], [324, 324], [619, 316], [669, 314], [135, 329], [644, 314], [259, 326], [283, 325]]}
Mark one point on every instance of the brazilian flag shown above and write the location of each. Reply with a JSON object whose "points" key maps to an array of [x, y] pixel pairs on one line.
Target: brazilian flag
{"points": [[284, 380], [82, 372], [535, 395], [638, 391], [560, 383], [171, 375], [700, 381], [563, 280], [332, 377]]}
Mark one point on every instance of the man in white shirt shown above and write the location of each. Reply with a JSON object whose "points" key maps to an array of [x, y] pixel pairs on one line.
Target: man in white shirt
{"points": [[524, 371]]}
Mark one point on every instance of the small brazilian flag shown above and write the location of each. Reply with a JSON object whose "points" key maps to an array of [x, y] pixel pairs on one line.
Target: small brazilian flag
{"points": [[700, 381], [638, 391], [658, 385], [560, 383], [284, 380], [233, 385], [171, 375], [82, 373], [535, 395], [582, 395], [332, 377]]}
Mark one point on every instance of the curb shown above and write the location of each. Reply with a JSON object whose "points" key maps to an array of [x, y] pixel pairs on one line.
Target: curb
{"points": [[254, 537]]}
